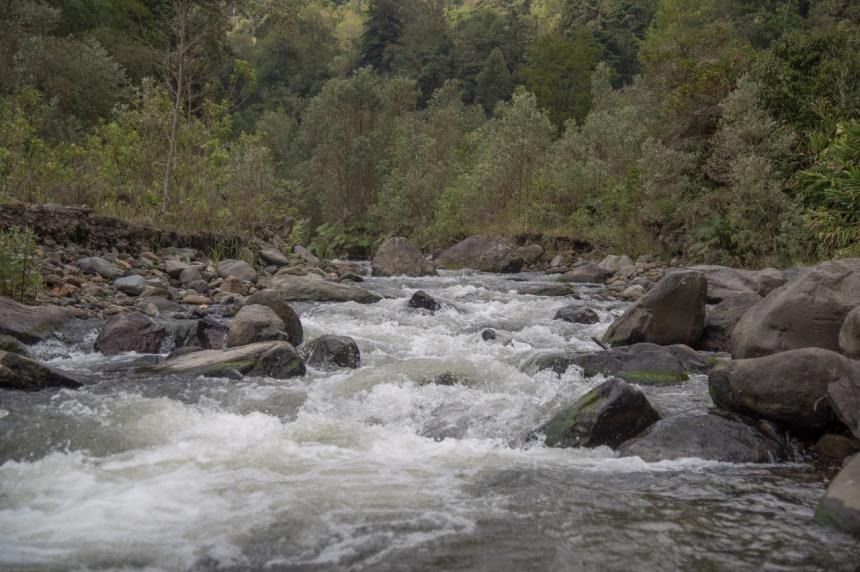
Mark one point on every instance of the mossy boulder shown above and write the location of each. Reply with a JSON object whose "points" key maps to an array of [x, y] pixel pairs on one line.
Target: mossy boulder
{"points": [[268, 359], [609, 414]]}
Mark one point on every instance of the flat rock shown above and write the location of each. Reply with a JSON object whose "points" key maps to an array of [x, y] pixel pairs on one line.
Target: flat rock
{"points": [[550, 289], [588, 273], [238, 268], [268, 359], [274, 256], [482, 252], [32, 324], [724, 281], [704, 436], [645, 364], [22, 373], [315, 288]]}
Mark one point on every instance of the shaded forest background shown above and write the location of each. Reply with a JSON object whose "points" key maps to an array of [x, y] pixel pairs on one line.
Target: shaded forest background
{"points": [[718, 130]]}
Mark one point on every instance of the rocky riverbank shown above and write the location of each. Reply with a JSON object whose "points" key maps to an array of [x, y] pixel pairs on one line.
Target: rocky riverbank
{"points": [[779, 347]]}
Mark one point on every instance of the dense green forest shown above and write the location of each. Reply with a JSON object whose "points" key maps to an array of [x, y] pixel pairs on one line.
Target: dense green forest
{"points": [[718, 130]]}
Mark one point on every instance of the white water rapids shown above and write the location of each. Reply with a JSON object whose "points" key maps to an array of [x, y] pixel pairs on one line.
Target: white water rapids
{"points": [[379, 469]]}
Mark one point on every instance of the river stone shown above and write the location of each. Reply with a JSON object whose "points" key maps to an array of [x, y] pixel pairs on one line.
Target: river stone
{"points": [[843, 395], [238, 268], [132, 285], [529, 253], [31, 324], [609, 414], [549, 290], [397, 256], [840, 507], [211, 333], [174, 268], [724, 282], [12, 345], [721, 320], [705, 436], [673, 312], [315, 288], [836, 448], [482, 252], [255, 323], [423, 300], [327, 351], [273, 300], [789, 388], [269, 359], [613, 263], [163, 305], [807, 312], [577, 315], [645, 364], [130, 333], [190, 275], [273, 255], [23, 373], [306, 255], [589, 273], [100, 266], [849, 334]]}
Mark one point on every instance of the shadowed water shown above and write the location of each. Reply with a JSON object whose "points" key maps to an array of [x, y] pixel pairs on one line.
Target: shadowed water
{"points": [[378, 468]]}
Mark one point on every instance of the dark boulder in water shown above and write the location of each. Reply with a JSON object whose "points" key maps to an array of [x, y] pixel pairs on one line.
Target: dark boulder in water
{"points": [[25, 374], [423, 300], [130, 333], [332, 351]]}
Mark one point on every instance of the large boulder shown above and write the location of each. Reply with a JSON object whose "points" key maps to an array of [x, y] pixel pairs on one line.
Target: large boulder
{"points": [[843, 395], [645, 364], [100, 266], [211, 333], [332, 351], [269, 359], [548, 289], [840, 507], [273, 300], [238, 268], [789, 388], [722, 319], [613, 263], [19, 372], [397, 256], [273, 255], [588, 273], [423, 300], [31, 324], [482, 252], [705, 436], [673, 312], [610, 414], [849, 334], [315, 288], [255, 323], [130, 333], [807, 312], [724, 281]]}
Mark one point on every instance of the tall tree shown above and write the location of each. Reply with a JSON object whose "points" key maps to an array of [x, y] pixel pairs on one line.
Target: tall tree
{"points": [[494, 83], [382, 34]]}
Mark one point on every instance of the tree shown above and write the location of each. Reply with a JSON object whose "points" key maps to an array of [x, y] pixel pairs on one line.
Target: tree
{"points": [[382, 34], [494, 83]]}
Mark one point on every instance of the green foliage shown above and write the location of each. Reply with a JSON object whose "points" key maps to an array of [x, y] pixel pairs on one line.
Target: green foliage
{"points": [[493, 84], [343, 241], [830, 193], [19, 265]]}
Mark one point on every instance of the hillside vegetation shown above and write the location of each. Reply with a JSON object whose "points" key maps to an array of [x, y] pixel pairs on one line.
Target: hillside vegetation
{"points": [[716, 130]]}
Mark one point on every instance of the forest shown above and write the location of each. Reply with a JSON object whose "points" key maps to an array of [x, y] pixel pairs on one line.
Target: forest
{"points": [[720, 131]]}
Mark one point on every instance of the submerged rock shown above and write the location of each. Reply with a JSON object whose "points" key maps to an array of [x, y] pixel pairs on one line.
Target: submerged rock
{"points": [[22, 373], [268, 359], [609, 414], [549, 289], [423, 300], [315, 288], [328, 351], [807, 312], [130, 333], [645, 364], [673, 312], [397, 256], [789, 388], [704, 436], [484, 253], [31, 324], [577, 315], [840, 507]]}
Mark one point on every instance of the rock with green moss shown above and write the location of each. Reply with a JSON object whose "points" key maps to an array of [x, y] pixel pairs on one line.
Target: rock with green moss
{"points": [[12, 345], [840, 507], [266, 359], [609, 414]]}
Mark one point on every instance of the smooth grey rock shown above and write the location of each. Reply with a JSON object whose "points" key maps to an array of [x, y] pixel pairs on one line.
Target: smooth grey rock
{"points": [[269, 359], [397, 256], [273, 300], [849, 334], [613, 263], [22, 373], [645, 364], [100, 266], [840, 507], [132, 285], [482, 252], [274, 256], [577, 315], [315, 288], [31, 324], [588, 273], [721, 320], [724, 281], [255, 323], [610, 414], [130, 333], [238, 268], [551, 289]]}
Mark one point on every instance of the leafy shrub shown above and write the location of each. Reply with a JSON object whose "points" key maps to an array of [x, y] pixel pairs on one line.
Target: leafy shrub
{"points": [[19, 275]]}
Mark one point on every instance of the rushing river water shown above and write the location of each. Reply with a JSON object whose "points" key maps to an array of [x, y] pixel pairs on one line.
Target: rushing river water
{"points": [[378, 469]]}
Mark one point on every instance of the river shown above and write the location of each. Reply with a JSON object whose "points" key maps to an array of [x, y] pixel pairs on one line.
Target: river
{"points": [[379, 468]]}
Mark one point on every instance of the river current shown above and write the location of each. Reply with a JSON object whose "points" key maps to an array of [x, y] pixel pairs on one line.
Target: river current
{"points": [[379, 468]]}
